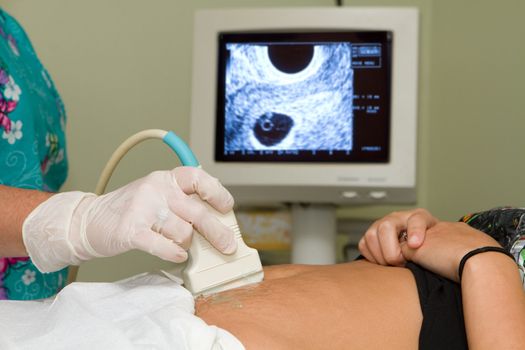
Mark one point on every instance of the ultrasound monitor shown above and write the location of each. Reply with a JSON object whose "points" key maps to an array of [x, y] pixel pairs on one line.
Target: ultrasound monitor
{"points": [[314, 105], [304, 97]]}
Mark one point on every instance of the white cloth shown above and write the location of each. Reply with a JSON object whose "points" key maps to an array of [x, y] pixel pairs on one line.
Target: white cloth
{"points": [[147, 311]]}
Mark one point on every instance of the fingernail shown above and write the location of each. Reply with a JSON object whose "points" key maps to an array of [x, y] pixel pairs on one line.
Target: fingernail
{"points": [[181, 257], [413, 239]]}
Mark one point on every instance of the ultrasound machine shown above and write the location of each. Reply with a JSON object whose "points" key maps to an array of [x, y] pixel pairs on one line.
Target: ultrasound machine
{"points": [[315, 107]]}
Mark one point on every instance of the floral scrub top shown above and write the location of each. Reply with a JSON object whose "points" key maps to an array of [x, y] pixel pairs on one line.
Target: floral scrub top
{"points": [[32, 147]]}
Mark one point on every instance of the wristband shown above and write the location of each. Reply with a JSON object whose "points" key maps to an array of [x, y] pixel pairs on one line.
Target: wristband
{"points": [[477, 251]]}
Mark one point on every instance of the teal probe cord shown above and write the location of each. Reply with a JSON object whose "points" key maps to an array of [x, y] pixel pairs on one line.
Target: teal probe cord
{"points": [[181, 148]]}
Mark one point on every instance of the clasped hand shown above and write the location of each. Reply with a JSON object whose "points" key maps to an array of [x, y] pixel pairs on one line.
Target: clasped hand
{"points": [[436, 245]]}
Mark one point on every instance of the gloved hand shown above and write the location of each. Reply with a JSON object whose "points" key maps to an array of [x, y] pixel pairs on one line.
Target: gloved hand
{"points": [[155, 214]]}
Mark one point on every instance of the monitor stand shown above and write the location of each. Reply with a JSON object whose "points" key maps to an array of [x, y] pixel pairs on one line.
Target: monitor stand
{"points": [[313, 234]]}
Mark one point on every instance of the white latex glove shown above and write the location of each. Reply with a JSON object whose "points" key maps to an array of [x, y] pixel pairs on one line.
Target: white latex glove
{"points": [[156, 214]]}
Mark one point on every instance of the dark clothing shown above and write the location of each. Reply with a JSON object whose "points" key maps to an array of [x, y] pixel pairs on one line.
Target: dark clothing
{"points": [[443, 325]]}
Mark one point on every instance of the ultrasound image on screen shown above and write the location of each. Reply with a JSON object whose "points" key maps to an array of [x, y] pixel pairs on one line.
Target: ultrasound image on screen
{"points": [[288, 97]]}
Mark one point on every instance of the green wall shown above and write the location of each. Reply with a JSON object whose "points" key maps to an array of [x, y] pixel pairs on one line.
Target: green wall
{"points": [[125, 65], [472, 106]]}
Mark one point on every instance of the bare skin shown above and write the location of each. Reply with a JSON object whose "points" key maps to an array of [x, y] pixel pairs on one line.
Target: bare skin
{"points": [[364, 305], [492, 292], [16, 205], [321, 307]]}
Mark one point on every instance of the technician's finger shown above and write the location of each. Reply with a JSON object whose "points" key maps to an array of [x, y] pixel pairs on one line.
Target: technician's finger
{"points": [[206, 223], [220, 236], [176, 229], [158, 245], [389, 243], [197, 181]]}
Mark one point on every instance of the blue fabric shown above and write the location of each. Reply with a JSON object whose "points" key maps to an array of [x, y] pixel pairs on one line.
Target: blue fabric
{"points": [[32, 147]]}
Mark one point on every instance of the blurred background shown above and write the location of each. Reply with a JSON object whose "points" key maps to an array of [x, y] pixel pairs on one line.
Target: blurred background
{"points": [[125, 65]]}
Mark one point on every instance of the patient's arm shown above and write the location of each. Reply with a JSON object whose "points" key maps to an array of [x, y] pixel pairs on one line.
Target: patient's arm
{"points": [[493, 302], [356, 305], [493, 297]]}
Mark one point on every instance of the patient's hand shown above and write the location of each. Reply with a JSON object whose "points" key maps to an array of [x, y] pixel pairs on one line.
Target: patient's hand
{"points": [[381, 242], [445, 244]]}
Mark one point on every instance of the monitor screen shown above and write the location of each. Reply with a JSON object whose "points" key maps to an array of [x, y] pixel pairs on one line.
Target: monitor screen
{"points": [[304, 96], [307, 105]]}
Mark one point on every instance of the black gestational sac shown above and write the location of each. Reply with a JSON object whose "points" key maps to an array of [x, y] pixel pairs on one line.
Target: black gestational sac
{"points": [[291, 58], [272, 128]]}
